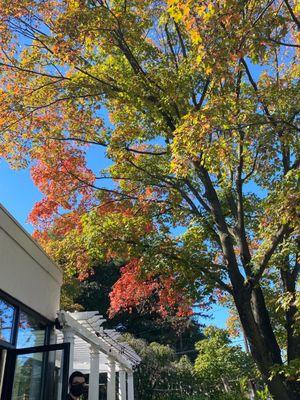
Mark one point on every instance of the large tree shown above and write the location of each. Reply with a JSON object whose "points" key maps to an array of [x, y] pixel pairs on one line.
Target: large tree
{"points": [[203, 99]]}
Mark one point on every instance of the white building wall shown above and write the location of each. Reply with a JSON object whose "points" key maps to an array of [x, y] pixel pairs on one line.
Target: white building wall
{"points": [[26, 272]]}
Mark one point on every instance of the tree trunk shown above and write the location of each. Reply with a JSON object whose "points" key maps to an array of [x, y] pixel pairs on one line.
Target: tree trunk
{"points": [[252, 389], [249, 300], [262, 341], [251, 382], [293, 337]]}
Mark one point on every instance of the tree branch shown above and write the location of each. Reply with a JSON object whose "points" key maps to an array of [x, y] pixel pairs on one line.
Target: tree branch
{"points": [[277, 239], [222, 227], [294, 17], [75, 139], [158, 153], [206, 85], [29, 71], [240, 228], [283, 43]]}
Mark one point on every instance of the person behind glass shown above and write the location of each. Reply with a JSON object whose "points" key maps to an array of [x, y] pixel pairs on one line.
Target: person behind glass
{"points": [[77, 385]]}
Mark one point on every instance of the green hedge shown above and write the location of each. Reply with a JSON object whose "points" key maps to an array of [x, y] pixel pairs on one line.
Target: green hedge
{"points": [[203, 397]]}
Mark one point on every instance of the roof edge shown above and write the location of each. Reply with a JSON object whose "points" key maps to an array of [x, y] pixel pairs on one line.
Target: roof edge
{"points": [[40, 256]]}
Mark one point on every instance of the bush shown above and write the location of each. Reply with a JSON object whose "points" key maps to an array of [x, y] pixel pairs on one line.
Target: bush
{"points": [[204, 397]]}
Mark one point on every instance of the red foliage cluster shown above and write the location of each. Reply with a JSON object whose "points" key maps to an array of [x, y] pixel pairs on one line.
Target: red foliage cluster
{"points": [[131, 291], [61, 174], [61, 226]]}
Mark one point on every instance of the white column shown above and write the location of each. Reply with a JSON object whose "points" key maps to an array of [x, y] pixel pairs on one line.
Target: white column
{"points": [[122, 385], [94, 374], [69, 337], [130, 385], [111, 379]]}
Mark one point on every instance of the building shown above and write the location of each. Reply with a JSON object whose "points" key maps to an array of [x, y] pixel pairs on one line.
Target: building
{"points": [[39, 345]]}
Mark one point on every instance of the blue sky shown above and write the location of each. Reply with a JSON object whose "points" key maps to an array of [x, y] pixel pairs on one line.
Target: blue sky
{"points": [[18, 193]]}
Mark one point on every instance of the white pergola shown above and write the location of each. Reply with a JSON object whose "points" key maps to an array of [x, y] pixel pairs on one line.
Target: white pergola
{"points": [[94, 350]]}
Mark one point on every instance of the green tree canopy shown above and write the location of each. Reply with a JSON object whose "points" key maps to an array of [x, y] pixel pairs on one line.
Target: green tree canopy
{"points": [[221, 366]]}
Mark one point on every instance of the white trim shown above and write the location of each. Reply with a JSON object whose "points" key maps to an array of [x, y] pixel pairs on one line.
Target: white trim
{"points": [[94, 374], [100, 340]]}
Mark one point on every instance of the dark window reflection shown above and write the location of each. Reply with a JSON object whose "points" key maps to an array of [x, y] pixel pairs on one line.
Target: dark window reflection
{"points": [[31, 331], [7, 313]]}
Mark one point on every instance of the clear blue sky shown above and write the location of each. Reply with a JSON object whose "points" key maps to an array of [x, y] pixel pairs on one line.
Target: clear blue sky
{"points": [[18, 193]]}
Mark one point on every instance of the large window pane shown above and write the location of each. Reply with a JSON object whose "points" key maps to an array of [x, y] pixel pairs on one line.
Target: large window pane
{"points": [[28, 377], [35, 370], [7, 313], [31, 331]]}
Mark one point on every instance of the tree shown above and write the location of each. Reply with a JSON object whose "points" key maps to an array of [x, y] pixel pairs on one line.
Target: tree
{"points": [[222, 367], [93, 293], [203, 97], [161, 374]]}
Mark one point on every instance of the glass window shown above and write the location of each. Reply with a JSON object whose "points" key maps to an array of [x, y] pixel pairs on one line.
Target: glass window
{"points": [[7, 314], [28, 377], [34, 370], [31, 331]]}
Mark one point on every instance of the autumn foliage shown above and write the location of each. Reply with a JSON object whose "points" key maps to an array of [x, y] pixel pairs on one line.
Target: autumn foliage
{"points": [[195, 105], [60, 173], [131, 290]]}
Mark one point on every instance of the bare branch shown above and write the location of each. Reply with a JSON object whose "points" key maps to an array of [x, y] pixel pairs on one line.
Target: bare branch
{"points": [[250, 173], [29, 71], [283, 43], [169, 41], [158, 153], [75, 139]]}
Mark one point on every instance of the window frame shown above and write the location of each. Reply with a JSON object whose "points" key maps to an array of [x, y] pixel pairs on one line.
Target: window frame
{"points": [[12, 358], [22, 307], [13, 351], [14, 327]]}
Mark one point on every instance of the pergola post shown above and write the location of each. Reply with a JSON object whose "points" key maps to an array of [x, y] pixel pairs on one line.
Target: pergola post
{"points": [[111, 379], [122, 384], [130, 384], [69, 337], [83, 331], [94, 374]]}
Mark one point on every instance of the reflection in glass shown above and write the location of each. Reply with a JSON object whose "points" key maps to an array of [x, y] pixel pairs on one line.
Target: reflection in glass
{"points": [[7, 313], [28, 377], [31, 331], [29, 374]]}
